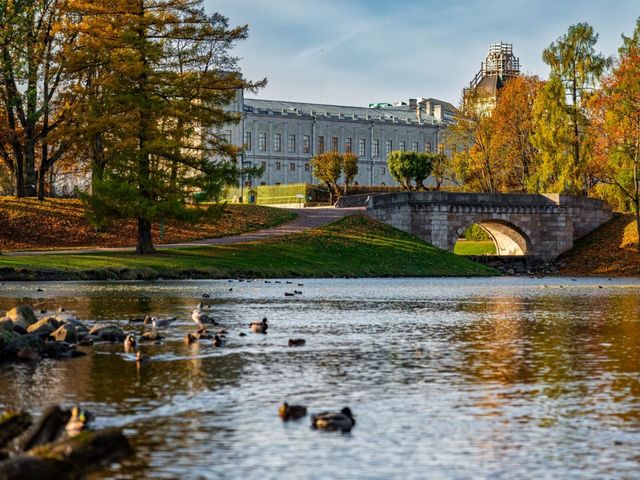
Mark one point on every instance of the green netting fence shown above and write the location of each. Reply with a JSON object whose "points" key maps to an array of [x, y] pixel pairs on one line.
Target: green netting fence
{"points": [[270, 194]]}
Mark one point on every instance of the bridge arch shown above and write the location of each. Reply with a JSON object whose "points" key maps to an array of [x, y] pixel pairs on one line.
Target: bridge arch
{"points": [[509, 238]]}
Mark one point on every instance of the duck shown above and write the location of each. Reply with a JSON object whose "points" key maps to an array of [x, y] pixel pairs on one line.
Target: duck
{"points": [[259, 327], [200, 317], [130, 343], [297, 342], [150, 337], [334, 421], [190, 338], [159, 322], [293, 412], [217, 341], [77, 422], [141, 359], [63, 316], [289, 294]]}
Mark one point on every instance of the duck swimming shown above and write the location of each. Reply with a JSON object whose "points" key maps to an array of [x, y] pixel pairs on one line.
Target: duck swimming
{"points": [[334, 421], [294, 412], [200, 317], [259, 327], [130, 343], [78, 421], [217, 341]]}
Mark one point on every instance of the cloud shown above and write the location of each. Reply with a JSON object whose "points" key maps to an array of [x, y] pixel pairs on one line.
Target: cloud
{"points": [[358, 51]]}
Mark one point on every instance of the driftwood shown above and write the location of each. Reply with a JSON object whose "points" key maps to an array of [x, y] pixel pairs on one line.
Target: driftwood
{"points": [[68, 458], [12, 424], [49, 428], [53, 449]]}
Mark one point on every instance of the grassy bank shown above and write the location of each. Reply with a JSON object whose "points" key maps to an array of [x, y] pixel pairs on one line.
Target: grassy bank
{"points": [[352, 247], [474, 247], [611, 250], [62, 223]]}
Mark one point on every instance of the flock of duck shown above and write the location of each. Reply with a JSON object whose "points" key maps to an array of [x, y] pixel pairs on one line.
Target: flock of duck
{"points": [[342, 421]]}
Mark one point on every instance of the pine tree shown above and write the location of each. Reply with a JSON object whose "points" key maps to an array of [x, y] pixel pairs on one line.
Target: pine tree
{"points": [[156, 77]]}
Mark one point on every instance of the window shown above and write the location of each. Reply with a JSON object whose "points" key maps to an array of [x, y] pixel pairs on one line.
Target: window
{"points": [[320, 144], [403, 146], [427, 147], [292, 143], [292, 167], [306, 144], [306, 167], [277, 142], [375, 148], [348, 145], [278, 166], [263, 165], [362, 147], [334, 144], [247, 140], [388, 147], [227, 136], [262, 142], [414, 147], [382, 171]]}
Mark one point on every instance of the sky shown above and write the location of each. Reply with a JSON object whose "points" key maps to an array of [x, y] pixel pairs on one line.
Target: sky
{"points": [[356, 52]]}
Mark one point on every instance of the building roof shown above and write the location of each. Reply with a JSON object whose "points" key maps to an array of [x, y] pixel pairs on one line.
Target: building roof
{"points": [[401, 113]]}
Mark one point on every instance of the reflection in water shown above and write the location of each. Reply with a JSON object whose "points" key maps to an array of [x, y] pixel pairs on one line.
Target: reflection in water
{"points": [[460, 378]]}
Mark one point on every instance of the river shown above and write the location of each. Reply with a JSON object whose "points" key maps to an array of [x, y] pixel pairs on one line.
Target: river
{"points": [[447, 378]]}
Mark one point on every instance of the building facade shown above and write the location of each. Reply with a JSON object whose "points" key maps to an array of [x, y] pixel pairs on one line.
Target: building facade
{"points": [[284, 136]]}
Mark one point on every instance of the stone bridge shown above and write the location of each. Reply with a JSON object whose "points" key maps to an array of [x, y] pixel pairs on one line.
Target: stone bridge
{"points": [[520, 224]]}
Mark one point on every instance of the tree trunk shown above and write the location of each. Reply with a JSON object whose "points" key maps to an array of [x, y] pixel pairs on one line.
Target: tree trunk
{"points": [[145, 240], [19, 179], [41, 186]]}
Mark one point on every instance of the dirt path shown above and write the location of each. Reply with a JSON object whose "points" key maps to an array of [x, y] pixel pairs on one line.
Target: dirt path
{"points": [[307, 218]]}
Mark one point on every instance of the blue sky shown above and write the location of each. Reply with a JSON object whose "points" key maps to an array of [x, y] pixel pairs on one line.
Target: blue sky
{"points": [[353, 52]]}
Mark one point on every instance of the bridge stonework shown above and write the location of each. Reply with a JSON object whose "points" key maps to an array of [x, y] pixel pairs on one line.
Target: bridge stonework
{"points": [[520, 224]]}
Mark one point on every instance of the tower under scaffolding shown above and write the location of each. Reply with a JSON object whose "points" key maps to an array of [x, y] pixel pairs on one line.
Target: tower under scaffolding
{"points": [[499, 66]]}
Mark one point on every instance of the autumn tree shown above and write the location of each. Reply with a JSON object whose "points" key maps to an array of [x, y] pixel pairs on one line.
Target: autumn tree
{"points": [[552, 136], [160, 108], [349, 169], [617, 125], [576, 64], [441, 169], [327, 167], [514, 125], [410, 169], [32, 75]]}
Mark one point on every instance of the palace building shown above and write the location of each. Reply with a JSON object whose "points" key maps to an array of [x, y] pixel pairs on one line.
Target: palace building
{"points": [[283, 136]]}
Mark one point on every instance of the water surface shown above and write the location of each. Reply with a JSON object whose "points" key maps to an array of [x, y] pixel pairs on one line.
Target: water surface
{"points": [[448, 378]]}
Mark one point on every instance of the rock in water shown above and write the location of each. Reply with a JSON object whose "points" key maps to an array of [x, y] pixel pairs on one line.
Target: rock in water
{"points": [[66, 333], [44, 327], [12, 424], [108, 333], [22, 316]]}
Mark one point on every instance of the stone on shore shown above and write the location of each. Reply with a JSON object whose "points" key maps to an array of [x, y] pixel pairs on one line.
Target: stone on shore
{"points": [[66, 333], [44, 327], [22, 316]]}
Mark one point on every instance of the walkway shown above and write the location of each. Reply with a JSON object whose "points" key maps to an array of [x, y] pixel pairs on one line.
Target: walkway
{"points": [[307, 218]]}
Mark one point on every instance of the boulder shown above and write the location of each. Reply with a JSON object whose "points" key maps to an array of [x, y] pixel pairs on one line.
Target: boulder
{"points": [[24, 343], [22, 316], [6, 337], [66, 333], [108, 333], [6, 324], [44, 327], [89, 340]]}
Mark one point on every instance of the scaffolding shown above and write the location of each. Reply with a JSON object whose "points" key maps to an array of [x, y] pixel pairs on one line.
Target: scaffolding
{"points": [[500, 62]]}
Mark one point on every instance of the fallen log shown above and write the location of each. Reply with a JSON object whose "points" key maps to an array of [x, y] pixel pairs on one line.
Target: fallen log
{"points": [[12, 424], [68, 458]]}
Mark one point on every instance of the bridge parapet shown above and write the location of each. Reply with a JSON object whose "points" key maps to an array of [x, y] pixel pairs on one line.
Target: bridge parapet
{"points": [[519, 224]]}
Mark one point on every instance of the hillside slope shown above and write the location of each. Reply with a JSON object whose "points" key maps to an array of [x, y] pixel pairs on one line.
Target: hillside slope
{"points": [[611, 250]]}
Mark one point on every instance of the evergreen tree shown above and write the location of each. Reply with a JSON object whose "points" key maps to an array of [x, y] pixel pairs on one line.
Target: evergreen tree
{"points": [[156, 77], [575, 62]]}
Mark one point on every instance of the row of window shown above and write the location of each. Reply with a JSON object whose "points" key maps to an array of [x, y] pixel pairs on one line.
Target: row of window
{"points": [[292, 167], [348, 144]]}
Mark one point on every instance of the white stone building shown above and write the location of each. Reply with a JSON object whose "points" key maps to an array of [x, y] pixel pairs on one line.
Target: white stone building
{"points": [[283, 136]]}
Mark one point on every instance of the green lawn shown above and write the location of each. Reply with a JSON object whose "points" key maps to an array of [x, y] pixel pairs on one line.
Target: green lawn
{"points": [[472, 247], [355, 246]]}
